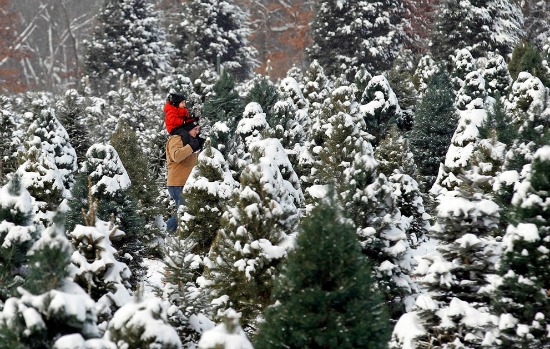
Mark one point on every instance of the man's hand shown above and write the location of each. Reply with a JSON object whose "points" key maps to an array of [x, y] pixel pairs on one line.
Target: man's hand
{"points": [[195, 144]]}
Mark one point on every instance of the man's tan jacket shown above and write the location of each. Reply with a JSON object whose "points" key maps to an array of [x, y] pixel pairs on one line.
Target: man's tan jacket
{"points": [[180, 159]]}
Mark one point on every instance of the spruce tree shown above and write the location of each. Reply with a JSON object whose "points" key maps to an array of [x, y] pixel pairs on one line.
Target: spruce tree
{"points": [[325, 296], [290, 120], [455, 275], [51, 137], [396, 162], [224, 43], [144, 186], [110, 185], [224, 110], [252, 127], [498, 80], [206, 193], [71, 113], [521, 298], [356, 33], [126, 41], [252, 241], [49, 297], [434, 126], [381, 108], [17, 234], [527, 58], [525, 108], [263, 92], [477, 25], [9, 143]]}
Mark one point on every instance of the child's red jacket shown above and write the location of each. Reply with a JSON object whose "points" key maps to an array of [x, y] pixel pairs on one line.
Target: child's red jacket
{"points": [[174, 116]]}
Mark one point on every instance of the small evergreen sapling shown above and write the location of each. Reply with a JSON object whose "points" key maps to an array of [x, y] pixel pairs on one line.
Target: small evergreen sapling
{"points": [[325, 296]]}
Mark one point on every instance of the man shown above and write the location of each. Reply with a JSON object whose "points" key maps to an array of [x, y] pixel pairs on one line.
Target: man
{"points": [[181, 156]]}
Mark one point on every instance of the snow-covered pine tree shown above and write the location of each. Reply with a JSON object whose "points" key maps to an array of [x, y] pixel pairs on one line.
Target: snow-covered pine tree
{"points": [[17, 234], [528, 58], [228, 334], [435, 123], [526, 108], [110, 187], [50, 307], [257, 229], [338, 133], [127, 41], [207, 192], [71, 114], [54, 140], [477, 25], [355, 33], [264, 92], [316, 86], [325, 296], [290, 120], [498, 80], [370, 202], [470, 102], [425, 69], [252, 127], [462, 64], [522, 299], [535, 22], [10, 142], [96, 267], [224, 109], [380, 107], [400, 78], [454, 311], [396, 162], [143, 324], [144, 188], [224, 43]]}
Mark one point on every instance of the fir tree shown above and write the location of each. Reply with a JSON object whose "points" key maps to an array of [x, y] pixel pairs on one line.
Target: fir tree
{"points": [[263, 92], [525, 108], [355, 33], [400, 78], [396, 162], [325, 296], [435, 123], [381, 108], [224, 109], [252, 241], [143, 324], [71, 114], [54, 141], [521, 298], [290, 120], [144, 186], [50, 297], [476, 25], [110, 187], [225, 43], [252, 127], [127, 40], [370, 202], [425, 69], [456, 273], [498, 80], [9, 143], [17, 234], [206, 192], [527, 58]]}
